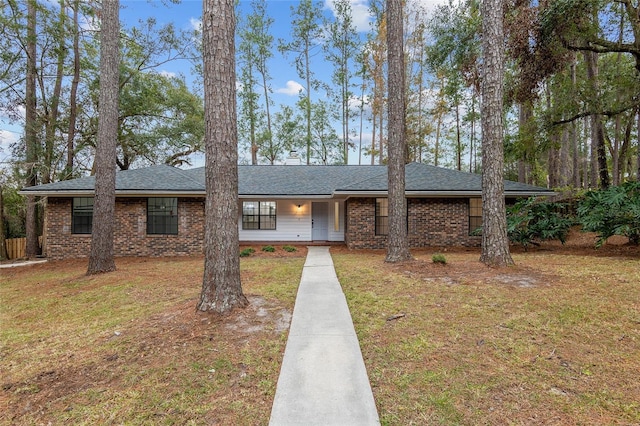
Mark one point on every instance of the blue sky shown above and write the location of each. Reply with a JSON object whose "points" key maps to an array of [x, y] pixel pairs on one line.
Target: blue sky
{"points": [[285, 83]]}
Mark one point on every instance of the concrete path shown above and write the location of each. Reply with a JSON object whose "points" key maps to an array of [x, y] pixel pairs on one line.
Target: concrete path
{"points": [[323, 380], [21, 263]]}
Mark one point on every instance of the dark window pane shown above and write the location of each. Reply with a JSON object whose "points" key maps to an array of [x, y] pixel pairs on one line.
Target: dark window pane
{"points": [[258, 215], [82, 215], [162, 216], [382, 216], [475, 214]]}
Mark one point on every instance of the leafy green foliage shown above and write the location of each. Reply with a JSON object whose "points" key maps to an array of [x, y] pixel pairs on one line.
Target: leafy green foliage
{"points": [[612, 211], [530, 221], [289, 249], [269, 249], [246, 252], [439, 258]]}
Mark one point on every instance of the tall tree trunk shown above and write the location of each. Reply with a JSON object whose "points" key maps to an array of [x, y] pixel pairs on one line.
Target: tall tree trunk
{"points": [[615, 150], [53, 112], [381, 133], [397, 242], [495, 244], [3, 244], [573, 134], [564, 169], [31, 132], [472, 137], [458, 141], [73, 95], [638, 149], [553, 152], [101, 258], [600, 171], [308, 103], [221, 286]]}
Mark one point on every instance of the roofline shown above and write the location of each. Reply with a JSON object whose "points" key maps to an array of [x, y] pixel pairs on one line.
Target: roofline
{"points": [[91, 193], [448, 194], [336, 194]]}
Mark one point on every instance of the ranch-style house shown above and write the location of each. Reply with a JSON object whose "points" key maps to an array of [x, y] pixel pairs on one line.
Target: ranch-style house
{"points": [[160, 209]]}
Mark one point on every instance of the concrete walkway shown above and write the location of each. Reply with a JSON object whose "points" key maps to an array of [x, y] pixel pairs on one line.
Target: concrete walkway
{"points": [[21, 263], [323, 380]]}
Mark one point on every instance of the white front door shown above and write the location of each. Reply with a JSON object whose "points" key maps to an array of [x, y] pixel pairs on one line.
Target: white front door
{"points": [[319, 221]]}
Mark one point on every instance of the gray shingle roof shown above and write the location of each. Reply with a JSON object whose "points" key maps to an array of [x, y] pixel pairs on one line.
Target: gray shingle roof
{"points": [[420, 177], [289, 181]]}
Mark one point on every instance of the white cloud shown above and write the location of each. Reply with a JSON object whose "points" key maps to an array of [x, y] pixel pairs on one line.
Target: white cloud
{"points": [[359, 13], [196, 24], [426, 5], [292, 88], [7, 137], [355, 102], [168, 74]]}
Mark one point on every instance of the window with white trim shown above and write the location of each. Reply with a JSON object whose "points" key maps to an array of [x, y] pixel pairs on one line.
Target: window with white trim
{"points": [[259, 215]]}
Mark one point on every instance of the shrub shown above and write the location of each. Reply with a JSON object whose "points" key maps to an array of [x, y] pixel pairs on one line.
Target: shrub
{"points": [[612, 211], [530, 221], [439, 258], [289, 249], [269, 249], [246, 252]]}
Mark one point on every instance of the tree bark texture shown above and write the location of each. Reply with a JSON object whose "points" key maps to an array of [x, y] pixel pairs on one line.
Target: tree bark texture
{"points": [[31, 133], [101, 258], [73, 98], [495, 244], [638, 151], [221, 286], [3, 247], [397, 243], [599, 168]]}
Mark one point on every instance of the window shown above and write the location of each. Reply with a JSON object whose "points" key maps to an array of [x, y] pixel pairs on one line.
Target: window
{"points": [[475, 214], [82, 215], [162, 216], [258, 215], [382, 216]]}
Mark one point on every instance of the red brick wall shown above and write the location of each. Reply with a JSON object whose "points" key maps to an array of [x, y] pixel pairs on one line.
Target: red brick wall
{"points": [[431, 222], [131, 237]]}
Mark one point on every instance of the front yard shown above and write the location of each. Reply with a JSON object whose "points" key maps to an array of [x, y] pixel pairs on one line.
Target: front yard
{"points": [[554, 340]]}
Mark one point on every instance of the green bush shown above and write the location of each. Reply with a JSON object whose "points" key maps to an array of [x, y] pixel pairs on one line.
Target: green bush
{"points": [[439, 258], [246, 252], [530, 221], [612, 211], [269, 249], [289, 249]]}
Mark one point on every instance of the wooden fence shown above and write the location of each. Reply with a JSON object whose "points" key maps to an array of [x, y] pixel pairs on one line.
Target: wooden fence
{"points": [[17, 247]]}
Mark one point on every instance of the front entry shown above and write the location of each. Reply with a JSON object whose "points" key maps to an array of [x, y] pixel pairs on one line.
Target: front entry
{"points": [[319, 221]]}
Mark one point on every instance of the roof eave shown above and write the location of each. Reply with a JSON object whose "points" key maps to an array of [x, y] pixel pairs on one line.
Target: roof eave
{"points": [[285, 196], [119, 193], [446, 194]]}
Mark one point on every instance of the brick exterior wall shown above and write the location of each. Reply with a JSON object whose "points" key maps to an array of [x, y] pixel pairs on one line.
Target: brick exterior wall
{"points": [[131, 237], [431, 223]]}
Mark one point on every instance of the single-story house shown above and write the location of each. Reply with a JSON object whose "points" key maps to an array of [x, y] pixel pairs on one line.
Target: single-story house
{"points": [[160, 209]]}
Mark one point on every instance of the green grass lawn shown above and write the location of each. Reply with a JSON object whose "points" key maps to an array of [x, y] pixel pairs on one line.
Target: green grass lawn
{"points": [[553, 340], [129, 348]]}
